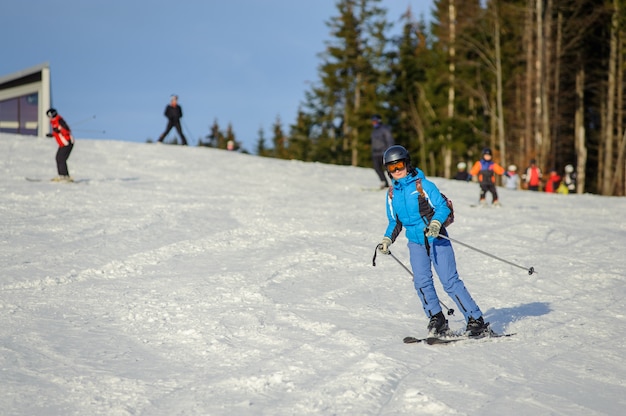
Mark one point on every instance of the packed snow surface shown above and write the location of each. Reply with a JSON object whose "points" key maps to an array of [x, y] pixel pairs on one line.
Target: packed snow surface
{"points": [[174, 280]]}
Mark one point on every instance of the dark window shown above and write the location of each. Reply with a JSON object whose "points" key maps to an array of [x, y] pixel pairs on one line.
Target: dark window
{"points": [[19, 115]]}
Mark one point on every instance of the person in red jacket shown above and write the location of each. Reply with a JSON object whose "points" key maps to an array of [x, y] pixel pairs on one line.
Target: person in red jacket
{"points": [[486, 170], [532, 177], [63, 135], [553, 182]]}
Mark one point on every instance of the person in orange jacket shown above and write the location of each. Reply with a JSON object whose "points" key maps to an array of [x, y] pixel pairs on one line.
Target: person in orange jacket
{"points": [[63, 135], [486, 170]]}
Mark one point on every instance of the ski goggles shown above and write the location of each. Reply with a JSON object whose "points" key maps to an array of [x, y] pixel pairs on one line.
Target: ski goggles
{"points": [[396, 166]]}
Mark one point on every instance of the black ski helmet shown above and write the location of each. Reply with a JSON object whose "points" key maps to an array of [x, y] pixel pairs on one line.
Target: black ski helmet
{"points": [[51, 113], [487, 151], [396, 153]]}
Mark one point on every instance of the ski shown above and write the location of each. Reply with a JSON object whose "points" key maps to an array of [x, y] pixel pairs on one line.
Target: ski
{"points": [[55, 180], [413, 340], [450, 338], [485, 206]]}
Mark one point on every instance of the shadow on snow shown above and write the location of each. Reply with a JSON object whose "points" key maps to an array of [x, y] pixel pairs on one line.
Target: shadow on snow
{"points": [[500, 318]]}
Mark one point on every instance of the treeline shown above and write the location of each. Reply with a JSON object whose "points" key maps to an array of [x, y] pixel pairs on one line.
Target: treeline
{"points": [[532, 79]]}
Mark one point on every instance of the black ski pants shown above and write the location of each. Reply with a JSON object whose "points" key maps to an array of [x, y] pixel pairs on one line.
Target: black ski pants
{"points": [[488, 187], [170, 125], [377, 160], [62, 155]]}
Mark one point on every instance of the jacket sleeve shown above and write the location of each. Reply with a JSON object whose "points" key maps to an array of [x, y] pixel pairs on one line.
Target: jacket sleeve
{"points": [[437, 201], [395, 226], [64, 125], [475, 169], [498, 169]]}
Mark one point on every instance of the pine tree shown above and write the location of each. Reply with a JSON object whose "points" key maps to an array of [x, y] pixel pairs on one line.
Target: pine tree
{"points": [[351, 83], [300, 147], [411, 112], [280, 140], [452, 86], [261, 148], [214, 136]]}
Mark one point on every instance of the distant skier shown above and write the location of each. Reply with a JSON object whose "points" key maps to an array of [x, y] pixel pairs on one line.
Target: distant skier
{"points": [[63, 135], [486, 169], [570, 179], [174, 113], [512, 180], [553, 182], [532, 177], [381, 140], [461, 173]]}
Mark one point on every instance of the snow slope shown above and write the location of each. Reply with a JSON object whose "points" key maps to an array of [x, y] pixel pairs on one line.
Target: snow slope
{"points": [[191, 281]]}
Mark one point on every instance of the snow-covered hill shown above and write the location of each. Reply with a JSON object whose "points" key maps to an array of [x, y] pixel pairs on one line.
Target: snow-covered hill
{"points": [[190, 281]]}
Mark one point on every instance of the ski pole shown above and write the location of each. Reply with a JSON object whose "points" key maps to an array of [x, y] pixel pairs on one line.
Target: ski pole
{"points": [[450, 311], [189, 132], [530, 270], [76, 123], [90, 131]]}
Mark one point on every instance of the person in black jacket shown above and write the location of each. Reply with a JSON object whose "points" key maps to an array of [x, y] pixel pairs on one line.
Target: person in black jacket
{"points": [[381, 141], [174, 113]]}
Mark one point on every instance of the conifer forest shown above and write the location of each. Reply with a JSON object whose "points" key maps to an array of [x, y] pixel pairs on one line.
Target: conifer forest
{"points": [[530, 79]]}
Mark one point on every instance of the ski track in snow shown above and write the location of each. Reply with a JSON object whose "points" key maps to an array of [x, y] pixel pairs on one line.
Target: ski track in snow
{"points": [[184, 281]]}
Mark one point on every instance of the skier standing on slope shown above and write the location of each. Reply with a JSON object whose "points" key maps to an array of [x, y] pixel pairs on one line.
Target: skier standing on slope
{"points": [[512, 180], [173, 112], [570, 179], [415, 203], [486, 169], [63, 135], [381, 139], [532, 177]]}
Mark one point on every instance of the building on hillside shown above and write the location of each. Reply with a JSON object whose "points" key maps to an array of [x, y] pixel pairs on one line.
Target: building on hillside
{"points": [[24, 100]]}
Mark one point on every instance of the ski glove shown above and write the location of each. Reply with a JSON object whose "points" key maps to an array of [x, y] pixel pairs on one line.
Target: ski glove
{"points": [[384, 245], [433, 229]]}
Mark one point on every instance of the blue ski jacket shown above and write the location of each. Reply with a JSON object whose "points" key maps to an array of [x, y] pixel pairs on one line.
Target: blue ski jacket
{"points": [[403, 207]]}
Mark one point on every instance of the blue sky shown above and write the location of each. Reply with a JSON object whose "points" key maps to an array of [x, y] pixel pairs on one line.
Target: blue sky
{"points": [[114, 64]]}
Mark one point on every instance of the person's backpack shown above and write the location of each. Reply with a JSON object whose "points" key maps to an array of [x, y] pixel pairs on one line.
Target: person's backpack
{"points": [[425, 208]]}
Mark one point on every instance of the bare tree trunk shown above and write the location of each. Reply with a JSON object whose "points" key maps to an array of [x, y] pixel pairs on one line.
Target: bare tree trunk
{"points": [[601, 142], [493, 120], [520, 154], [447, 152], [345, 141], [546, 83], [556, 124], [621, 168], [420, 110], [355, 131], [609, 138], [579, 129], [499, 102], [618, 176], [539, 80], [528, 149], [418, 125]]}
